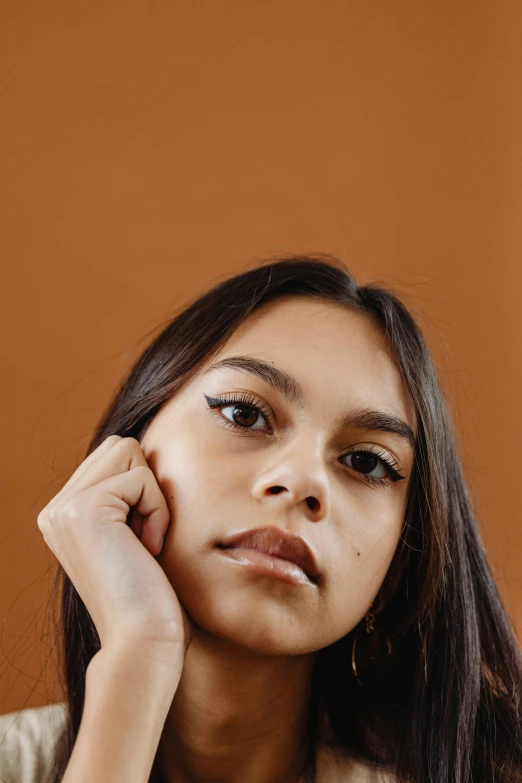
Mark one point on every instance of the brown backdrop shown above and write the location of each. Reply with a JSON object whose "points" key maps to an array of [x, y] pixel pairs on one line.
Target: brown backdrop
{"points": [[151, 148]]}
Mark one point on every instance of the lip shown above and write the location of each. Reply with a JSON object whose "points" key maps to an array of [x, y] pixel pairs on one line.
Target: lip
{"points": [[277, 544]]}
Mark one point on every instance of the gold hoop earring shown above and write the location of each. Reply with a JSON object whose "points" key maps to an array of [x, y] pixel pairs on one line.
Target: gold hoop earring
{"points": [[372, 646]]}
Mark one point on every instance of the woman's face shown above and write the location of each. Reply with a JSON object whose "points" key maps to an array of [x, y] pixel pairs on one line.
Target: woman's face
{"points": [[295, 465]]}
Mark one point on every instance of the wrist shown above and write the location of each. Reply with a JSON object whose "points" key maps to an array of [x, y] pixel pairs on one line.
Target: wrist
{"points": [[135, 662]]}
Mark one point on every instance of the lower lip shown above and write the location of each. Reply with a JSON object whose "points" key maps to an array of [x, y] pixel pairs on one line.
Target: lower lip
{"points": [[268, 565]]}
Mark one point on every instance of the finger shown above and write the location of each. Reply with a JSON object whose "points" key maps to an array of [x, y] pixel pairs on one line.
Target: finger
{"points": [[138, 487], [84, 466], [121, 456]]}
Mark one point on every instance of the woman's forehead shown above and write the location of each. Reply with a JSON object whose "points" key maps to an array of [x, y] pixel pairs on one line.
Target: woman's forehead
{"points": [[303, 319]]}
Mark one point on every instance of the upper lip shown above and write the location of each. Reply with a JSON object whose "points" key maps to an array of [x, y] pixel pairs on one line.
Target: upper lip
{"points": [[279, 543]]}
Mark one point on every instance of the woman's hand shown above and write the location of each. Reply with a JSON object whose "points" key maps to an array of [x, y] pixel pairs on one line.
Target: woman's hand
{"points": [[110, 563]]}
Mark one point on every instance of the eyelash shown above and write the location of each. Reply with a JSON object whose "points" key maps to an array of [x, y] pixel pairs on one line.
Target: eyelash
{"points": [[248, 401]]}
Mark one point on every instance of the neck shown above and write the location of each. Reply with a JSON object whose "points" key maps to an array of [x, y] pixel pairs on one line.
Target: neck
{"points": [[237, 715]]}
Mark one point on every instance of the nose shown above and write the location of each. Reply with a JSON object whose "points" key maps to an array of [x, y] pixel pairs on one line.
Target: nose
{"points": [[298, 483]]}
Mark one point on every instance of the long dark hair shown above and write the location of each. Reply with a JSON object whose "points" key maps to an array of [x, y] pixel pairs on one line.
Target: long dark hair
{"points": [[445, 706]]}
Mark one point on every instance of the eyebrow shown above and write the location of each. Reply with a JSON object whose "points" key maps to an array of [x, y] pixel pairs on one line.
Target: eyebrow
{"points": [[290, 388]]}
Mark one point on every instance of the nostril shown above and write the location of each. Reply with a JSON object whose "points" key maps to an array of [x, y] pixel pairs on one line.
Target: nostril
{"points": [[313, 503]]}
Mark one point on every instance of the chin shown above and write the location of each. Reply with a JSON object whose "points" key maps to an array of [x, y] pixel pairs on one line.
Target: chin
{"points": [[253, 617], [261, 634]]}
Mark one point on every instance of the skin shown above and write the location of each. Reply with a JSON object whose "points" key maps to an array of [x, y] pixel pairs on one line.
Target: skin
{"points": [[241, 706]]}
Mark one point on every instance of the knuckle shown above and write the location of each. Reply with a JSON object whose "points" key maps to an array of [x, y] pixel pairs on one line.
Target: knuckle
{"points": [[131, 442], [143, 470], [113, 438], [67, 513]]}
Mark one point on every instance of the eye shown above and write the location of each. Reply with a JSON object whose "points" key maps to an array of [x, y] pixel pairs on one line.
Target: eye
{"points": [[365, 461], [241, 412]]}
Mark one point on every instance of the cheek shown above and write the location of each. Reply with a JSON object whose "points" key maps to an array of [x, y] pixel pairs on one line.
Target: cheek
{"points": [[374, 540], [206, 487], [369, 524], [191, 472], [207, 499], [362, 550]]}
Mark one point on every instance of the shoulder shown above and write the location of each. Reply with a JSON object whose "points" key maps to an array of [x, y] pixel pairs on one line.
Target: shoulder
{"points": [[27, 739], [335, 766]]}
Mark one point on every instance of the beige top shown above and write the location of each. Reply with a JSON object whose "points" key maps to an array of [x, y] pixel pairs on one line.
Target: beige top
{"points": [[27, 740]]}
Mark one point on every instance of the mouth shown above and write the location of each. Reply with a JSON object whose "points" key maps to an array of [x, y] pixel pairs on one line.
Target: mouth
{"points": [[267, 565], [273, 552]]}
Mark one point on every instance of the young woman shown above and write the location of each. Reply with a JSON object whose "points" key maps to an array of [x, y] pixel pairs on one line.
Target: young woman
{"points": [[298, 591]]}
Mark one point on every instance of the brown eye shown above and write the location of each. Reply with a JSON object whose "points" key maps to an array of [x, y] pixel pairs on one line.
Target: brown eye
{"points": [[365, 462], [244, 415]]}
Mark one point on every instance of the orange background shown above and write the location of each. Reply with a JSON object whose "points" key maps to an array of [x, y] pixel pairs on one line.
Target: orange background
{"points": [[150, 149]]}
